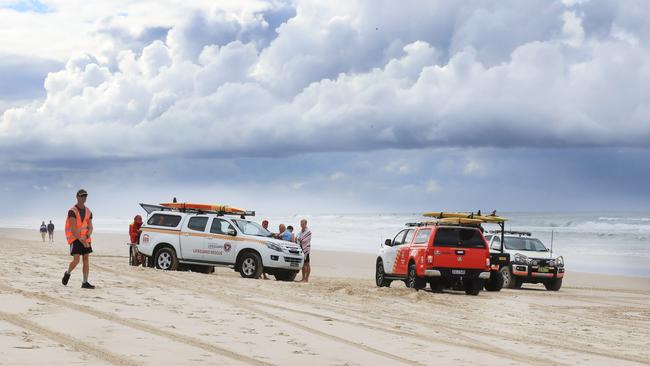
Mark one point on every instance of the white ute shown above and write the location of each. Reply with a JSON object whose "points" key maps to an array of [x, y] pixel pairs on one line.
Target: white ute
{"points": [[190, 239], [530, 260]]}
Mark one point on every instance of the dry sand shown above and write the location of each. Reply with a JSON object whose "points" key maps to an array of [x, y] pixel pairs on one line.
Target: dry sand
{"points": [[146, 316]]}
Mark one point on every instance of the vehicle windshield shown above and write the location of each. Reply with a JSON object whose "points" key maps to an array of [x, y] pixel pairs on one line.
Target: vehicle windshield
{"points": [[528, 244], [252, 228]]}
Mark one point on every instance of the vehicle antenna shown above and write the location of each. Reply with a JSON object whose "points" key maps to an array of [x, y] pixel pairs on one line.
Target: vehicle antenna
{"points": [[552, 243]]}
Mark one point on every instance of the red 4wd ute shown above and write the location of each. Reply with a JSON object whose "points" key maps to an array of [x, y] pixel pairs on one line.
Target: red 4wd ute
{"points": [[445, 253]]}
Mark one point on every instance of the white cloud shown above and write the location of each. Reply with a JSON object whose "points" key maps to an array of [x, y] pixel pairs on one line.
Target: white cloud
{"points": [[572, 29], [340, 75], [432, 186], [337, 176], [474, 167], [400, 167]]}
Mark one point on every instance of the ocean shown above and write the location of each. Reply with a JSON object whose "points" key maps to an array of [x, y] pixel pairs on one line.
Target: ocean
{"points": [[596, 242]]}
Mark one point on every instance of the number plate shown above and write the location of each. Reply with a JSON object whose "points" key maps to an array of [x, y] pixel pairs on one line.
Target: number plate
{"points": [[458, 271], [294, 264], [543, 270]]}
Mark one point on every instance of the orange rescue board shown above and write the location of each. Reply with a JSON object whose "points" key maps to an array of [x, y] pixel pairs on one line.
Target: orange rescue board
{"points": [[202, 207]]}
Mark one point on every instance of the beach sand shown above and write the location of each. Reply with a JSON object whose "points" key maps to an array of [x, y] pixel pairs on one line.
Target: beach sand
{"points": [[143, 316]]}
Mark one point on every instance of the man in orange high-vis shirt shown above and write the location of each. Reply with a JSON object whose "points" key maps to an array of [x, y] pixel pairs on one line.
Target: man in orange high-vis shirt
{"points": [[78, 229]]}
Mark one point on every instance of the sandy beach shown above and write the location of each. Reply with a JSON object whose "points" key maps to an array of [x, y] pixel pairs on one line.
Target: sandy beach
{"points": [[142, 316]]}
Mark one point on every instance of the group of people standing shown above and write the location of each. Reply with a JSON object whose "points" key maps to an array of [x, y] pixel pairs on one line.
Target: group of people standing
{"points": [[49, 230], [303, 238]]}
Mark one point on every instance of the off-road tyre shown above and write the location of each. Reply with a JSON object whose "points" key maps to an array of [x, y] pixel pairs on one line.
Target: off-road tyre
{"points": [[250, 265], [554, 284], [412, 279], [436, 284], [201, 269], [473, 286], [166, 259], [380, 275], [287, 276], [495, 283], [510, 280]]}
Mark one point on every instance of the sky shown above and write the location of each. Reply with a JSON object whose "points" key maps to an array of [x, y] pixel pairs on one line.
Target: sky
{"points": [[336, 106]]}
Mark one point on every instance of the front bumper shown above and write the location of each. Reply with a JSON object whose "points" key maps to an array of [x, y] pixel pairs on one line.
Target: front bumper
{"points": [[284, 261], [450, 272], [537, 272]]}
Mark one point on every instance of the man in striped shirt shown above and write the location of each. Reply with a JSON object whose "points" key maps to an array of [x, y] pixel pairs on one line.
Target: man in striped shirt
{"points": [[304, 239]]}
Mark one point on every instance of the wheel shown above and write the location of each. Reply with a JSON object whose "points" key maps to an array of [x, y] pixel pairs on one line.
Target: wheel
{"points": [[380, 275], [436, 284], [286, 275], [510, 280], [473, 286], [201, 269], [412, 279], [495, 283], [166, 259], [554, 284], [251, 265]]}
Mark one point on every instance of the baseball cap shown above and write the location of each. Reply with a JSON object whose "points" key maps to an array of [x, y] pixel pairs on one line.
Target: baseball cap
{"points": [[82, 192]]}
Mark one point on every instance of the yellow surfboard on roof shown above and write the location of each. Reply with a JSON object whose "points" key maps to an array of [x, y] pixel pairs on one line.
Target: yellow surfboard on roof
{"points": [[465, 215]]}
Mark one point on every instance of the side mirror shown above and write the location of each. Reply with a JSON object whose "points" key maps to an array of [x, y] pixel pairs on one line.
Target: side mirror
{"points": [[231, 231], [388, 243]]}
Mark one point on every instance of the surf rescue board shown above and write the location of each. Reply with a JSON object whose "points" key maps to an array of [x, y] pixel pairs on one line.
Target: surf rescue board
{"points": [[203, 207], [465, 215]]}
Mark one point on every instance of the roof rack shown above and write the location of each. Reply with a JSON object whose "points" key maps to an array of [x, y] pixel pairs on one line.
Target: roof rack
{"points": [[490, 218], [150, 208], [520, 233], [446, 222]]}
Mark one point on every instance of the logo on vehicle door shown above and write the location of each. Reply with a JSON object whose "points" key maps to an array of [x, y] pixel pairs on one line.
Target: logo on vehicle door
{"points": [[460, 259], [227, 247]]}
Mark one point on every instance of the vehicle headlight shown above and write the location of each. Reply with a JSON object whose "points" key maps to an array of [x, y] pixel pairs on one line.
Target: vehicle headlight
{"points": [[522, 259], [559, 261], [551, 263], [273, 246]]}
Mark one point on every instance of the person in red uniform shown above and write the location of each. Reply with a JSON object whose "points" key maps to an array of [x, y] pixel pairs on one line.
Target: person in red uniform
{"points": [[134, 233]]}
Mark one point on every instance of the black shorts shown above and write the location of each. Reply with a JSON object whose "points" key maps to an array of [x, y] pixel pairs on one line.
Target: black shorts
{"points": [[307, 258], [78, 248]]}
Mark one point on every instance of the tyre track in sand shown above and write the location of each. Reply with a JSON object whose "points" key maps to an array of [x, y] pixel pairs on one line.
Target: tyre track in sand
{"points": [[181, 285], [548, 341], [193, 342], [469, 342], [69, 342], [458, 331]]}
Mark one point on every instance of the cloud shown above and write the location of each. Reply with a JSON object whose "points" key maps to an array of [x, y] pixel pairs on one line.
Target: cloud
{"points": [[21, 78], [287, 79], [474, 167], [432, 187]]}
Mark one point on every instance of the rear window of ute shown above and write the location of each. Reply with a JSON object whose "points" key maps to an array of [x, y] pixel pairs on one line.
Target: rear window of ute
{"points": [[458, 238]]}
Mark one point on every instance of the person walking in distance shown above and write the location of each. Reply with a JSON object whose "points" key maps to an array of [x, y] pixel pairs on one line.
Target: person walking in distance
{"points": [[50, 231], [304, 239], [43, 231], [78, 229]]}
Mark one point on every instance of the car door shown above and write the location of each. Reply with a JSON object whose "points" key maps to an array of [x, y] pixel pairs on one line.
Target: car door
{"points": [[221, 245], [194, 237], [390, 252], [401, 261]]}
